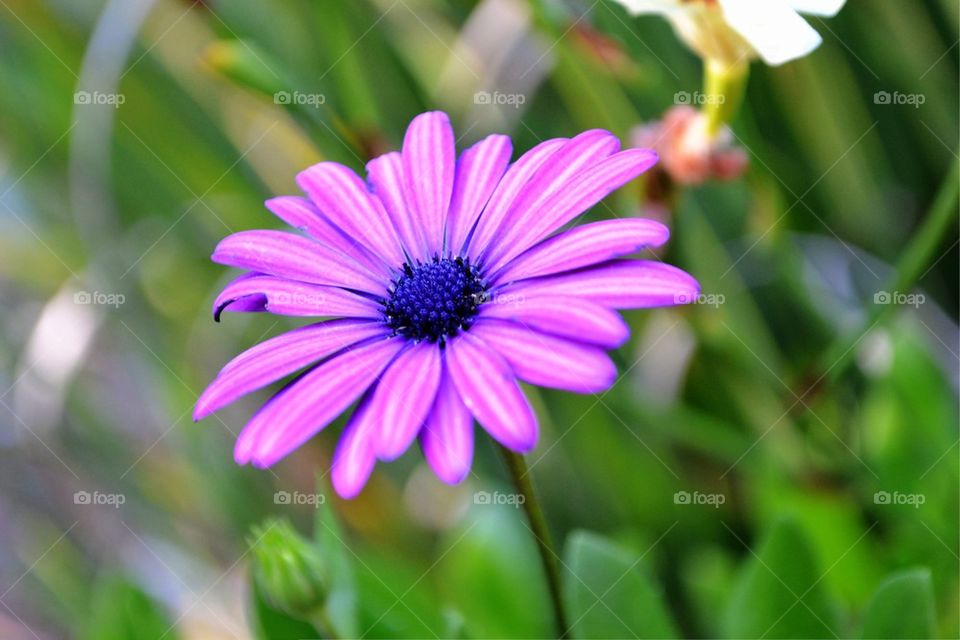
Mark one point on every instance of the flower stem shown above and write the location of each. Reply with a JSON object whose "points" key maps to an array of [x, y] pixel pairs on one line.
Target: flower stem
{"points": [[520, 476], [724, 85]]}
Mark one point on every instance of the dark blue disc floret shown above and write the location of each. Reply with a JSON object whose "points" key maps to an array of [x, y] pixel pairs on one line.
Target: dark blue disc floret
{"points": [[434, 300]]}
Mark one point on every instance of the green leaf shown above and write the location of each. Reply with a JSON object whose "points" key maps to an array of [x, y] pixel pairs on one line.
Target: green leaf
{"points": [[609, 594], [779, 592], [491, 574], [121, 610], [901, 607]]}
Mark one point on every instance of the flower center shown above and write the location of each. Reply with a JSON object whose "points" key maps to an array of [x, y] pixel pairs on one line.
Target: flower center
{"points": [[434, 300]]}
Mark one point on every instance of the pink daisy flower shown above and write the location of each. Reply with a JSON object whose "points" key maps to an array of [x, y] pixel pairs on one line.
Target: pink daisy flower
{"points": [[449, 280]]}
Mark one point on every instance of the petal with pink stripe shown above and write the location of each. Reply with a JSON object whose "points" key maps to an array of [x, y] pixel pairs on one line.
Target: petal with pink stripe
{"points": [[307, 405], [429, 158], [567, 317], [488, 388], [588, 188], [287, 255], [479, 170], [388, 183], [547, 360], [584, 246], [619, 284], [447, 435], [280, 356], [403, 398], [344, 199], [254, 292], [554, 176]]}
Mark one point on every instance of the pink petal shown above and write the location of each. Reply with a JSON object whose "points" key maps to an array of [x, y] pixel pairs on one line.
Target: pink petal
{"points": [[479, 170], [257, 292], [344, 199], [579, 194], [506, 192], [488, 387], [552, 177], [447, 435], [354, 459], [546, 360], [301, 214], [310, 403], [403, 398], [620, 284], [566, 317], [280, 356], [429, 158], [288, 255], [385, 175], [583, 246]]}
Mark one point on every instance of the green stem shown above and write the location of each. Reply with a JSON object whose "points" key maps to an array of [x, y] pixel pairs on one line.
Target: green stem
{"points": [[911, 266], [723, 85], [520, 476]]}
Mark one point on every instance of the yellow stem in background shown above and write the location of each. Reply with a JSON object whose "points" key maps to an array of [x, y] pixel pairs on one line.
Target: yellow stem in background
{"points": [[723, 85]]}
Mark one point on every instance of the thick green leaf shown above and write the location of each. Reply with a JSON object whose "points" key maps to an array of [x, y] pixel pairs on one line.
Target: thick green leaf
{"points": [[121, 610], [901, 607], [609, 594], [491, 574], [779, 593]]}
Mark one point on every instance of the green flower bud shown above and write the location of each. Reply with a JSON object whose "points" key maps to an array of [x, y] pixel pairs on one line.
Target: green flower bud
{"points": [[290, 573]]}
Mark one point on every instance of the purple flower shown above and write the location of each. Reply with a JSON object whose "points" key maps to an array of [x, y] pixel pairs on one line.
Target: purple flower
{"points": [[449, 284]]}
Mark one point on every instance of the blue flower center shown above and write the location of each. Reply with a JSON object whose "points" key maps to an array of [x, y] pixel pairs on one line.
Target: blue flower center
{"points": [[434, 300]]}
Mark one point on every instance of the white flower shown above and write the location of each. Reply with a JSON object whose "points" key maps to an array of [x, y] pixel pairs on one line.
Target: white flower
{"points": [[735, 31]]}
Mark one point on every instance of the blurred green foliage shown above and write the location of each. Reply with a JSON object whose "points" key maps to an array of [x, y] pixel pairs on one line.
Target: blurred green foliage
{"points": [[734, 483]]}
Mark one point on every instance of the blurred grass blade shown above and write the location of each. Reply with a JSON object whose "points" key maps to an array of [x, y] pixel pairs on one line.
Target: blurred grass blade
{"points": [[121, 610], [244, 65], [341, 605]]}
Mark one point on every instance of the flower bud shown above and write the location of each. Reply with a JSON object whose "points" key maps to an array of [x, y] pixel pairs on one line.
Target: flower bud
{"points": [[288, 569], [689, 153]]}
